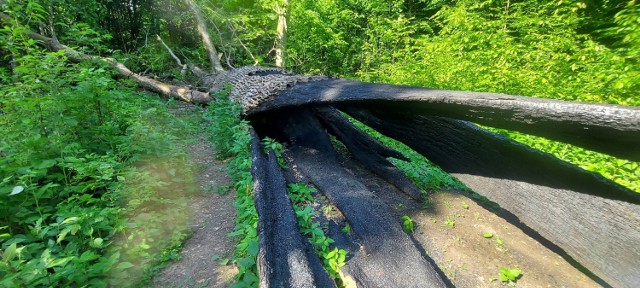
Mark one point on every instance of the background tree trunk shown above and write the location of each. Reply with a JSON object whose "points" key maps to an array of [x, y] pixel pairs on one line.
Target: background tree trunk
{"points": [[212, 53], [281, 34]]}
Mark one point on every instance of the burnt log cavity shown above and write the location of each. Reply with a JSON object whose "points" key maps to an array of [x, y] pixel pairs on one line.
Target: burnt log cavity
{"points": [[588, 217], [387, 256], [589, 220], [285, 257]]}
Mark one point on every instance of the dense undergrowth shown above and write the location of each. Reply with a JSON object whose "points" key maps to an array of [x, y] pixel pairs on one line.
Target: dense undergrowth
{"points": [[94, 185]]}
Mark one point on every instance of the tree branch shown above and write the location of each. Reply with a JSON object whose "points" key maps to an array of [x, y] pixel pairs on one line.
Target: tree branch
{"points": [[206, 37], [177, 92], [194, 69]]}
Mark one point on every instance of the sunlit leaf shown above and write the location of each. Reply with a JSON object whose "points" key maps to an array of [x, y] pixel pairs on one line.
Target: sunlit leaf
{"points": [[16, 190]]}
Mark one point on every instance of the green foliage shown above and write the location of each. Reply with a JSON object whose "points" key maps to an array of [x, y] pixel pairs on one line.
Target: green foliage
{"points": [[347, 229], [571, 50], [451, 222], [407, 224], [231, 139], [277, 148], [332, 259], [225, 116], [509, 276], [91, 172], [422, 172]]}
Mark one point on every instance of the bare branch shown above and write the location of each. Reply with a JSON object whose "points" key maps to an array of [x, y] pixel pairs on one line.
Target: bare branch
{"points": [[255, 61], [206, 37], [194, 69], [184, 67], [178, 92]]}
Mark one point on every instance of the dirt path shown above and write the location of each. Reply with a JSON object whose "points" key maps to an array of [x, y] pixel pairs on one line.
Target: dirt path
{"points": [[454, 231], [212, 219]]}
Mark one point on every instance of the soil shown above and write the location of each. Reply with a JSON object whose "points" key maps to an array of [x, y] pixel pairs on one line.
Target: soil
{"points": [[452, 229], [213, 218]]}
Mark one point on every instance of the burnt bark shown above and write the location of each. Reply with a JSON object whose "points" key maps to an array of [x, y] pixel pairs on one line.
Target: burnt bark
{"points": [[387, 257], [589, 217], [610, 129], [285, 257], [367, 150]]}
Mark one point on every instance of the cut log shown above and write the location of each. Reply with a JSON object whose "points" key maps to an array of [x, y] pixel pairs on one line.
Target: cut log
{"points": [[610, 129], [387, 257], [367, 150], [285, 257], [595, 221]]}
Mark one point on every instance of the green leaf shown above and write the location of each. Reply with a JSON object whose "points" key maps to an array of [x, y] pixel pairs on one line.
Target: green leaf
{"points": [[124, 265], [16, 190], [70, 220], [10, 253], [331, 254], [88, 256], [246, 262], [253, 248], [515, 273], [63, 234], [487, 235], [59, 262], [503, 278], [47, 164]]}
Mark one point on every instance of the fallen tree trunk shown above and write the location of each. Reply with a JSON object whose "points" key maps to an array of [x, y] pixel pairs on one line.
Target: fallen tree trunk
{"points": [[285, 257], [387, 256], [611, 129], [367, 150], [595, 221]]}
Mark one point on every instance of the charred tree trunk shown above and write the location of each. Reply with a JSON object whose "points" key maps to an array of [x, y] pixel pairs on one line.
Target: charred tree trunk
{"points": [[285, 257], [387, 256], [582, 213], [610, 129]]}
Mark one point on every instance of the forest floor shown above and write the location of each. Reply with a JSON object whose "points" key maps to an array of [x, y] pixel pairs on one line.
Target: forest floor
{"points": [[213, 214], [454, 231]]}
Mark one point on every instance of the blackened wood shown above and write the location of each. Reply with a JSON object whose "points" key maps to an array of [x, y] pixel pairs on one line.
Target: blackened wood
{"points": [[367, 150], [285, 257], [387, 257], [595, 221], [610, 129]]}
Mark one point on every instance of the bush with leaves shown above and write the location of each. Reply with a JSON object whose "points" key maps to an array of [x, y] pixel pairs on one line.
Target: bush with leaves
{"points": [[79, 167]]}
